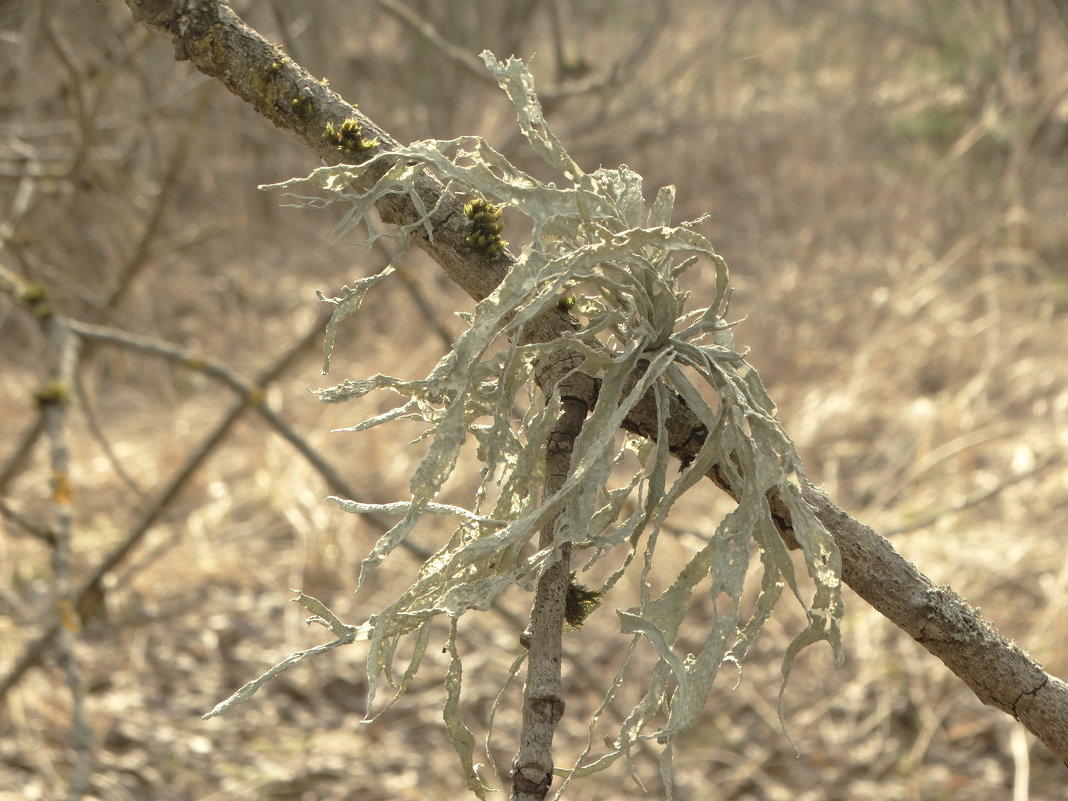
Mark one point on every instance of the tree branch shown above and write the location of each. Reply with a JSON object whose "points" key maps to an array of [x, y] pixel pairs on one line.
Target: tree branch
{"points": [[543, 700], [209, 35]]}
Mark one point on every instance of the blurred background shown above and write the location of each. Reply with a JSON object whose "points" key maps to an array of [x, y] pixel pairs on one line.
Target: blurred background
{"points": [[889, 185]]}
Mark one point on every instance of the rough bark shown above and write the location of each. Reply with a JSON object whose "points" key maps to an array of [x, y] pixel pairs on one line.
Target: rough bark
{"points": [[999, 672], [210, 36], [543, 700]]}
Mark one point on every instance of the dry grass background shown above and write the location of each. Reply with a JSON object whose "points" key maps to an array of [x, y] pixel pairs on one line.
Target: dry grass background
{"points": [[889, 184]]}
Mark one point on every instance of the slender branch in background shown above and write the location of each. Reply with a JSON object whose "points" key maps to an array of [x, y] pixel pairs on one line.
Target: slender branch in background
{"points": [[251, 395], [20, 204], [516, 25], [39, 532], [96, 431], [978, 498], [570, 69], [141, 256], [464, 59], [217, 42], [17, 460], [34, 651], [77, 91], [624, 66], [430, 315], [12, 285], [54, 400], [556, 25]]}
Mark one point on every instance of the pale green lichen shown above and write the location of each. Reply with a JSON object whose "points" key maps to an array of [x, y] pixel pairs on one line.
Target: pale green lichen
{"points": [[593, 230]]}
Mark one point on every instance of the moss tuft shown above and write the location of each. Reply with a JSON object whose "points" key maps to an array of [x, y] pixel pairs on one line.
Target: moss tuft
{"points": [[486, 227], [349, 138]]}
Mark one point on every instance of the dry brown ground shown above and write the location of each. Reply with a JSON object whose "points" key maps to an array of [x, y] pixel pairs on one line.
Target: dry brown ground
{"points": [[890, 188]]}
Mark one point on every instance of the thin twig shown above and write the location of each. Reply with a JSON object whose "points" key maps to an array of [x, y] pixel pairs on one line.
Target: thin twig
{"points": [[465, 60], [459, 56], [75, 90], [17, 460], [140, 257], [973, 500], [55, 401], [419, 299], [543, 701], [426, 308], [41, 533], [36, 648], [96, 431]]}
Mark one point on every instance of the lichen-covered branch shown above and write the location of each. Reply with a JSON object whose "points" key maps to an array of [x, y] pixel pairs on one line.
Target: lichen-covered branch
{"points": [[209, 35]]}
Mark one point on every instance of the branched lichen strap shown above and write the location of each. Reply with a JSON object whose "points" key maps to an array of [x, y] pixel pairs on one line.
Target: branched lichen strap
{"points": [[543, 703]]}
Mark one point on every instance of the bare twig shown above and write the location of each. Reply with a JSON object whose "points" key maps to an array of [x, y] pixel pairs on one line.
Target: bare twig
{"points": [[424, 306], [976, 499], [17, 460], [140, 257], [621, 68], [97, 432], [77, 90], [613, 76], [42, 533], [430, 315], [462, 58], [54, 401], [36, 648], [17, 288]]}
